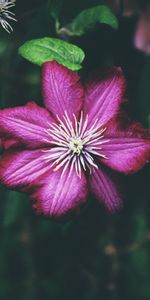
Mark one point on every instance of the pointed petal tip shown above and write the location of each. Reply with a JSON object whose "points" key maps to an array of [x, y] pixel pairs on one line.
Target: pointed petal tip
{"points": [[52, 63], [105, 186], [128, 146], [104, 94], [62, 90]]}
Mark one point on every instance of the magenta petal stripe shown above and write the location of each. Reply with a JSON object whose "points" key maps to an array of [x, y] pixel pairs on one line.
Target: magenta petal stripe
{"points": [[61, 90], [127, 150], [26, 124], [104, 93], [57, 194], [18, 169], [105, 189]]}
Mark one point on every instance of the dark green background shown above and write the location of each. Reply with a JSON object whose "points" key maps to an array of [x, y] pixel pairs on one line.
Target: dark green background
{"points": [[93, 255]]}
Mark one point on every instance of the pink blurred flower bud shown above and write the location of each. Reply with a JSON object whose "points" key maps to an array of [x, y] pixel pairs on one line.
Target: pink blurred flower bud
{"points": [[142, 33]]}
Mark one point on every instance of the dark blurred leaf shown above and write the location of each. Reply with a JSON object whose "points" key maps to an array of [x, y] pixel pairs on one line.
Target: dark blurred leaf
{"points": [[54, 7], [39, 51], [138, 276], [143, 95], [89, 17], [139, 226], [12, 208]]}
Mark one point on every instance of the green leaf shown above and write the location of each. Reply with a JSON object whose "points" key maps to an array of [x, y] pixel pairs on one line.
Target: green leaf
{"points": [[89, 17], [39, 51]]}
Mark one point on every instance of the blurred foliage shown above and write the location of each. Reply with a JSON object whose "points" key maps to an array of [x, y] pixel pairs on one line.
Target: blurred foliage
{"points": [[88, 18], [92, 255], [143, 94]]}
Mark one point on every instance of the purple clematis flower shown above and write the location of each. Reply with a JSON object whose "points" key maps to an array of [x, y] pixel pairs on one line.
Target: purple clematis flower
{"points": [[61, 152]]}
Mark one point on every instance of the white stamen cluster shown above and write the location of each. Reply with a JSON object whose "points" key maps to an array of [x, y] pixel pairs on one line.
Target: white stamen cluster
{"points": [[75, 144], [5, 14]]}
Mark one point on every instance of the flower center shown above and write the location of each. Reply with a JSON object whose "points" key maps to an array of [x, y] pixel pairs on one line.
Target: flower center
{"points": [[76, 144]]}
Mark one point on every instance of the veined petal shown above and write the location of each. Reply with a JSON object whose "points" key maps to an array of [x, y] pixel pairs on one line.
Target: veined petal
{"points": [[104, 186], [61, 90], [57, 194], [103, 95], [128, 149], [18, 169], [26, 124], [30, 172]]}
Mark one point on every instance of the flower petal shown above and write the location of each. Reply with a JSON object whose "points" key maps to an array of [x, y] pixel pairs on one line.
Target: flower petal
{"points": [[104, 186], [104, 93], [18, 169], [61, 90], [30, 172], [128, 149], [25, 124], [57, 194]]}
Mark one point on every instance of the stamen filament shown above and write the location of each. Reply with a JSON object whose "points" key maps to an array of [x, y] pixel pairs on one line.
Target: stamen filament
{"points": [[75, 144]]}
